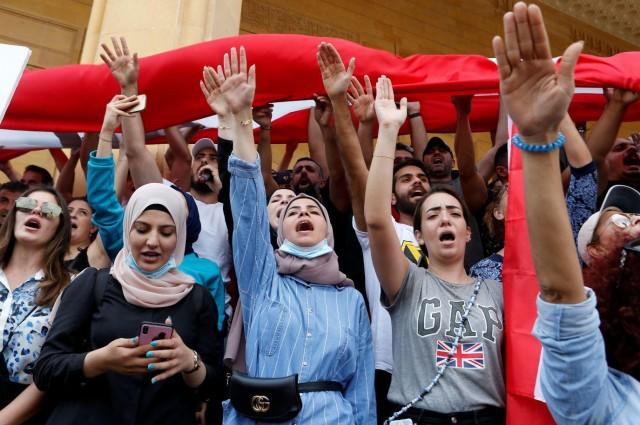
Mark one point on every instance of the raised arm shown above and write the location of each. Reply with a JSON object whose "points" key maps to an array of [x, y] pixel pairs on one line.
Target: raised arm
{"points": [[390, 264], [7, 168], [337, 80], [65, 181], [486, 163], [124, 68], [285, 161], [361, 101], [317, 148], [252, 252], [262, 115], [108, 214], [537, 98], [473, 186], [418, 130], [583, 182], [604, 132], [181, 163], [328, 136]]}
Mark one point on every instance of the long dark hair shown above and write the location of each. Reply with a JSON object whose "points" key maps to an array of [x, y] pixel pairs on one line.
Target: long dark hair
{"points": [[56, 275], [616, 282]]}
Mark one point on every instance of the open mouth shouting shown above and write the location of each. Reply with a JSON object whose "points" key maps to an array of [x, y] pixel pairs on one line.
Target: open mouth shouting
{"points": [[417, 192], [447, 237], [304, 225], [33, 224], [632, 160]]}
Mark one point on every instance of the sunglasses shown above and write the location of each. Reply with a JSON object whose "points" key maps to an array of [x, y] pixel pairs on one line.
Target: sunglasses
{"points": [[621, 220], [47, 209]]}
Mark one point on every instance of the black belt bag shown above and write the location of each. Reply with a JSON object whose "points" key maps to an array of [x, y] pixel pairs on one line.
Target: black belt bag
{"points": [[272, 399]]}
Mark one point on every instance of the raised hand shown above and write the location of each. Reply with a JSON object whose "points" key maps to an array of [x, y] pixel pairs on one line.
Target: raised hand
{"points": [[262, 115], [536, 96], [323, 110], [123, 65], [116, 109], [335, 77], [624, 97], [239, 85], [462, 104], [361, 100], [212, 92], [389, 115]]}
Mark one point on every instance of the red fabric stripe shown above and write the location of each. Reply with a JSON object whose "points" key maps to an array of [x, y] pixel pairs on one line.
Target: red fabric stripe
{"points": [[72, 98], [520, 291]]}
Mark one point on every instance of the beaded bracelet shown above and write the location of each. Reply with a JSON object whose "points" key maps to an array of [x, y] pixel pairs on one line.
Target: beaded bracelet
{"points": [[528, 147]]}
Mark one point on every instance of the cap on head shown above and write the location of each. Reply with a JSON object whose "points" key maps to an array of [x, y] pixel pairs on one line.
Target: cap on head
{"points": [[436, 142], [204, 143], [623, 197]]}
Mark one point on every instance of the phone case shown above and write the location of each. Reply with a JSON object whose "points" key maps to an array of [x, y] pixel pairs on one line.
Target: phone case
{"points": [[142, 104], [150, 331]]}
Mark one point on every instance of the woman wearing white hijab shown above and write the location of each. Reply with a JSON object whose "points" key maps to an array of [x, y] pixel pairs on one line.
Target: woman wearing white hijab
{"points": [[92, 363]]}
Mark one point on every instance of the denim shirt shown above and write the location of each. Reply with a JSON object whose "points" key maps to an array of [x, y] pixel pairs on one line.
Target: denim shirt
{"points": [[24, 326], [577, 384], [320, 332]]}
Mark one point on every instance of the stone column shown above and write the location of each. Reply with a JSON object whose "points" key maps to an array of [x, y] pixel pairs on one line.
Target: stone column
{"points": [[154, 26]]}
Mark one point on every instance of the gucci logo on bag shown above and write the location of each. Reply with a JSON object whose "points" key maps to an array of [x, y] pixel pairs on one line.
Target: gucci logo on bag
{"points": [[260, 403]]}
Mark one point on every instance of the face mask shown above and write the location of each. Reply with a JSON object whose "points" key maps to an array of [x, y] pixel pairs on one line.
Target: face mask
{"points": [[306, 252], [171, 264]]}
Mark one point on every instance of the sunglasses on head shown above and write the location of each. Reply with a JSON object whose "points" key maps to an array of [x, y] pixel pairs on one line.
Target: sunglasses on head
{"points": [[47, 209]]}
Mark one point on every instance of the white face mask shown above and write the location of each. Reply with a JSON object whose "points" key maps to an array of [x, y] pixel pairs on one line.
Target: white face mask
{"points": [[306, 252]]}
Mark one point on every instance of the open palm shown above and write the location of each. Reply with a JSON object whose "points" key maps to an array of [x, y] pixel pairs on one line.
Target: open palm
{"points": [[386, 110], [535, 94], [123, 65], [212, 92], [335, 77]]}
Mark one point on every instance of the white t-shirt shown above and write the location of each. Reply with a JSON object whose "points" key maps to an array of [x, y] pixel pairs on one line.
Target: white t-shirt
{"points": [[380, 319], [213, 242]]}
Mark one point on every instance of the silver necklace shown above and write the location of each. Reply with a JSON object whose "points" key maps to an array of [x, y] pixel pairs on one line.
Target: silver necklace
{"points": [[458, 331]]}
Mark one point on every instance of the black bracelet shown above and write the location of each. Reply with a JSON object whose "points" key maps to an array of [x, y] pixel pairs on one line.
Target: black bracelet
{"points": [[415, 115]]}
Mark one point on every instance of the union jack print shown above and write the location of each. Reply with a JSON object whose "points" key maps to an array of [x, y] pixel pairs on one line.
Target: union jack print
{"points": [[469, 355]]}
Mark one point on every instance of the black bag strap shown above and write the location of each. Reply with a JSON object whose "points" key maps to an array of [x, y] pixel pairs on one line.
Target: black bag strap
{"points": [[103, 277], [309, 387]]}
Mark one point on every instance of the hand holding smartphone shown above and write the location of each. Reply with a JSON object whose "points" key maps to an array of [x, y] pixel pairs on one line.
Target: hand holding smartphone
{"points": [[142, 104], [151, 331]]}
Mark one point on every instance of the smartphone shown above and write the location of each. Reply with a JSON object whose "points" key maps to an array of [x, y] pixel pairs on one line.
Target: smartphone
{"points": [[150, 331], [142, 103]]}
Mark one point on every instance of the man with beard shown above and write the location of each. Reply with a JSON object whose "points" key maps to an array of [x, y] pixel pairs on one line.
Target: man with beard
{"points": [[438, 161], [213, 242], [618, 159], [410, 184], [308, 178]]}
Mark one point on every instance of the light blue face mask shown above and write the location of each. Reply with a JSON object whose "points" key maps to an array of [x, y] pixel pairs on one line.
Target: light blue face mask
{"points": [[306, 252], [171, 264]]}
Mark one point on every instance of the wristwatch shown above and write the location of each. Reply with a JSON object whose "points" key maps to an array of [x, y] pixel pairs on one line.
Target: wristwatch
{"points": [[196, 363]]}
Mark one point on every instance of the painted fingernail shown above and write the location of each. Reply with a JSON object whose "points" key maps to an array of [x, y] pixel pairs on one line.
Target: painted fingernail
{"points": [[134, 340], [154, 343], [154, 380], [149, 354], [151, 366]]}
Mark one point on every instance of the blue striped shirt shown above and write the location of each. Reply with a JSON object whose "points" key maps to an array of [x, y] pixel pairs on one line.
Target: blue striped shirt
{"points": [[320, 332]]}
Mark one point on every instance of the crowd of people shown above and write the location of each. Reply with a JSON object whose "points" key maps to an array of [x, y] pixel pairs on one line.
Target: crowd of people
{"points": [[215, 290]]}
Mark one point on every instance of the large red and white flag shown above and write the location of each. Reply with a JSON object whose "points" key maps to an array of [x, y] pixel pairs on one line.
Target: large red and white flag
{"points": [[72, 99]]}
